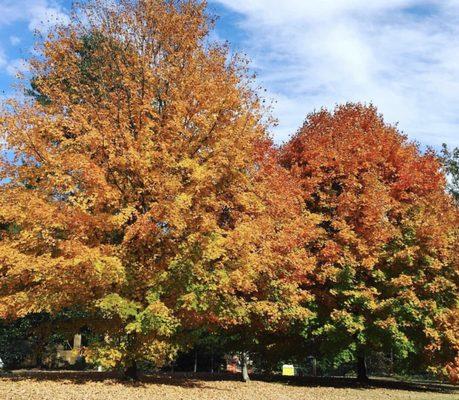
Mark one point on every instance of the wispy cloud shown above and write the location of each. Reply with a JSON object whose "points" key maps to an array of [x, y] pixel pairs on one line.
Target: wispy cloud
{"points": [[15, 40], [402, 55], [45, 15], [3, 60], [40, 15], [17, 67], [18, 19]]}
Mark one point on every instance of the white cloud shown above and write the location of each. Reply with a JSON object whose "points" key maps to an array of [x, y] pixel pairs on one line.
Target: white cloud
{"points": [[14, 40], [40, 15], [3, 60], [402, 55], [18, 66], [44, 17]]}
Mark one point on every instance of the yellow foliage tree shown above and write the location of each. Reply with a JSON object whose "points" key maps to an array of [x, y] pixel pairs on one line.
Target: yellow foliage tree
{"points": [[142, 184]]}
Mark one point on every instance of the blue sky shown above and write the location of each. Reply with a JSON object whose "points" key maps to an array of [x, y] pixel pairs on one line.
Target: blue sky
{"points": [[402, 55]]}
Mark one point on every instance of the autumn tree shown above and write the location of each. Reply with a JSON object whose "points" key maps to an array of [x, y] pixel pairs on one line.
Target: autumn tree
{"points": [[135, 158], [387, 267], [143, 187]]}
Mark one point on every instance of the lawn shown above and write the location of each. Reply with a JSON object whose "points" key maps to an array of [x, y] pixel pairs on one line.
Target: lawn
{"points": [[92, 386]]}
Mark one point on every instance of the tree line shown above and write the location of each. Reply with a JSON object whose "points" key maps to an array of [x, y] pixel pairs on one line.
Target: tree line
{"points": [[140, 186]]}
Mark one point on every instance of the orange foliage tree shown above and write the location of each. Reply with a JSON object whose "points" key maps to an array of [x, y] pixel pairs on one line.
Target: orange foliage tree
{"points": [[387, 270], [139, 185]]}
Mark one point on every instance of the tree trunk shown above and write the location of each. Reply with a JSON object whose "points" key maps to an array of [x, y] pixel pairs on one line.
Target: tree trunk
{"points": [[211, 359], [131, 372], [362, 369], [195, 369], [314, 366], [244, 367], [391, 362], [39, 359]]}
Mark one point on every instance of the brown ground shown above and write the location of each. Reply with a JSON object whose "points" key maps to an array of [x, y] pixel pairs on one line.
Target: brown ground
{"points": [[100, 386]]}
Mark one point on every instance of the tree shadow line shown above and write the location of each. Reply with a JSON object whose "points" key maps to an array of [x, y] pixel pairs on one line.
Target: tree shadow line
{"points": [[201, 380]]}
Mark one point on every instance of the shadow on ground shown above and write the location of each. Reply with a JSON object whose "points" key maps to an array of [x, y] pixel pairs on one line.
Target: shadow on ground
{"points": [[202, 380]]}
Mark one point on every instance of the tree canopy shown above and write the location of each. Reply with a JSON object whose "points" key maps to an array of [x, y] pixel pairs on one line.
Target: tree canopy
{"points": [[386, 272], [139, 186]]}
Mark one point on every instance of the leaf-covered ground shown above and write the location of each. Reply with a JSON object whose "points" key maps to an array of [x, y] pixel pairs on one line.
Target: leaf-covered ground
{"points": [[91, 386]]}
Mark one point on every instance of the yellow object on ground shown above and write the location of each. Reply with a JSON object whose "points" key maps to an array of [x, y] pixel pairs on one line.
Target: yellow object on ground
{"points": [[288, 370]]}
